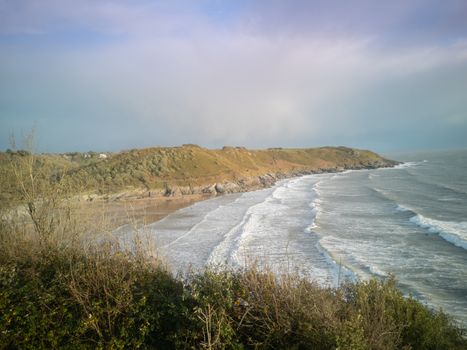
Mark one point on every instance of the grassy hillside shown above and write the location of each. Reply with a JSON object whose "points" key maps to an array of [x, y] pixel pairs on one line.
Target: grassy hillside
{"points": [[188, 167]]}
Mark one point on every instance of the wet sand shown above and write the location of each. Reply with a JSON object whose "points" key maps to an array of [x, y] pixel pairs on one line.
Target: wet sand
{"points": [[140, 211]]}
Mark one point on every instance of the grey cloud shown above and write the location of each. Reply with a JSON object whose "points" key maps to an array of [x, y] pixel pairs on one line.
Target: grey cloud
{"points": [[196, 82]]}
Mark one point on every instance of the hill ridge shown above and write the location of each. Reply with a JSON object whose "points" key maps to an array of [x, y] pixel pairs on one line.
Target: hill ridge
{"points": [[191, 169]]}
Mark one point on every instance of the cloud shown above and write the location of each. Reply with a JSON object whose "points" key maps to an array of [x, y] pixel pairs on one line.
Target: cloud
{"points": [[105, 17], [174, 74]]}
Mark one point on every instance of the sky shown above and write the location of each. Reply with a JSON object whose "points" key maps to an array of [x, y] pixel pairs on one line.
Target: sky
{"points": [[108, 75]]}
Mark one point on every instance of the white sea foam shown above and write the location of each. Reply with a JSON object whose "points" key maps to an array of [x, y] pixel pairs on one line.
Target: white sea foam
{"points": [[380, 191], [313, 225], [281, 192], [406, 165], [314, 213], [401, 208], [249, 225], [449, 199], [376, 270], [271, 232], [226, 250], [222, 253], [453, 232]]}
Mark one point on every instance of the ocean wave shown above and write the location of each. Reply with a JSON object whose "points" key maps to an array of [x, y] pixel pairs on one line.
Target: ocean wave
{"points": [[222, 253], [451, 188], [381, 193], [248, 225], [455, 190], [212, 207], [340, 272], [311, 227], [280, 192], [452, 232], [375, 270], [314, 212], [401, 208], [387, 197], [406, 165], [363, 267], [315, 208], [449, 199], [292, 190]]}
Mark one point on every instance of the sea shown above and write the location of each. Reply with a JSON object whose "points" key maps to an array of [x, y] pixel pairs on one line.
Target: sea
{"points": [[409, 221]]}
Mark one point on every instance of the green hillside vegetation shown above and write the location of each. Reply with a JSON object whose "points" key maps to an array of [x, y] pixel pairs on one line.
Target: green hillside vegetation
{"points": [[190, 166], [187, 165]]}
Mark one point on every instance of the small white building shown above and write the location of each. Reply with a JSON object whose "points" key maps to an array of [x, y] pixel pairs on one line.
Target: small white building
{"points": [[102, 156]]}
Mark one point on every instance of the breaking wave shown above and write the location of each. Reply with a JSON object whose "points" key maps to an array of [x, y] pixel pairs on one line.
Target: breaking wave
{"points": [[401, 208], [453, 232]]}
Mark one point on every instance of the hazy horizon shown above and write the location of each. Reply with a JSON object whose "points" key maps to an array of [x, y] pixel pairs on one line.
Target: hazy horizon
{"points": [[20, 144], [114, 74]]}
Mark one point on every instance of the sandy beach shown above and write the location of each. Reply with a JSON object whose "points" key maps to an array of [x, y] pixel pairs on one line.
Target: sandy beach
{"points": [[140, 211]]}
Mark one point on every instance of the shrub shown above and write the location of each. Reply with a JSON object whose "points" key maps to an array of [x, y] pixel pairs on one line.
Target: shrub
{"points": [[112, 300]]}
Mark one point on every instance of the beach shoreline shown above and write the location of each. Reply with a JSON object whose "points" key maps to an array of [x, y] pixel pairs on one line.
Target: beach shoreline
{"points": [[139, 211], [143, 207]]}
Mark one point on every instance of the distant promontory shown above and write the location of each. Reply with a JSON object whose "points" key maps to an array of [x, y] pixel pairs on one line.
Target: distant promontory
{"points": [[189, 169]]}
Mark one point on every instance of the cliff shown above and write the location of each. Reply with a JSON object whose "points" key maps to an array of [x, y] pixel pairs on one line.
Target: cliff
{"points": [[189, 169]]}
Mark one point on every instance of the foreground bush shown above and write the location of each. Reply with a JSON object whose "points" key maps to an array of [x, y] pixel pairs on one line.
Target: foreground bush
{"points": [[114, 300]]}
